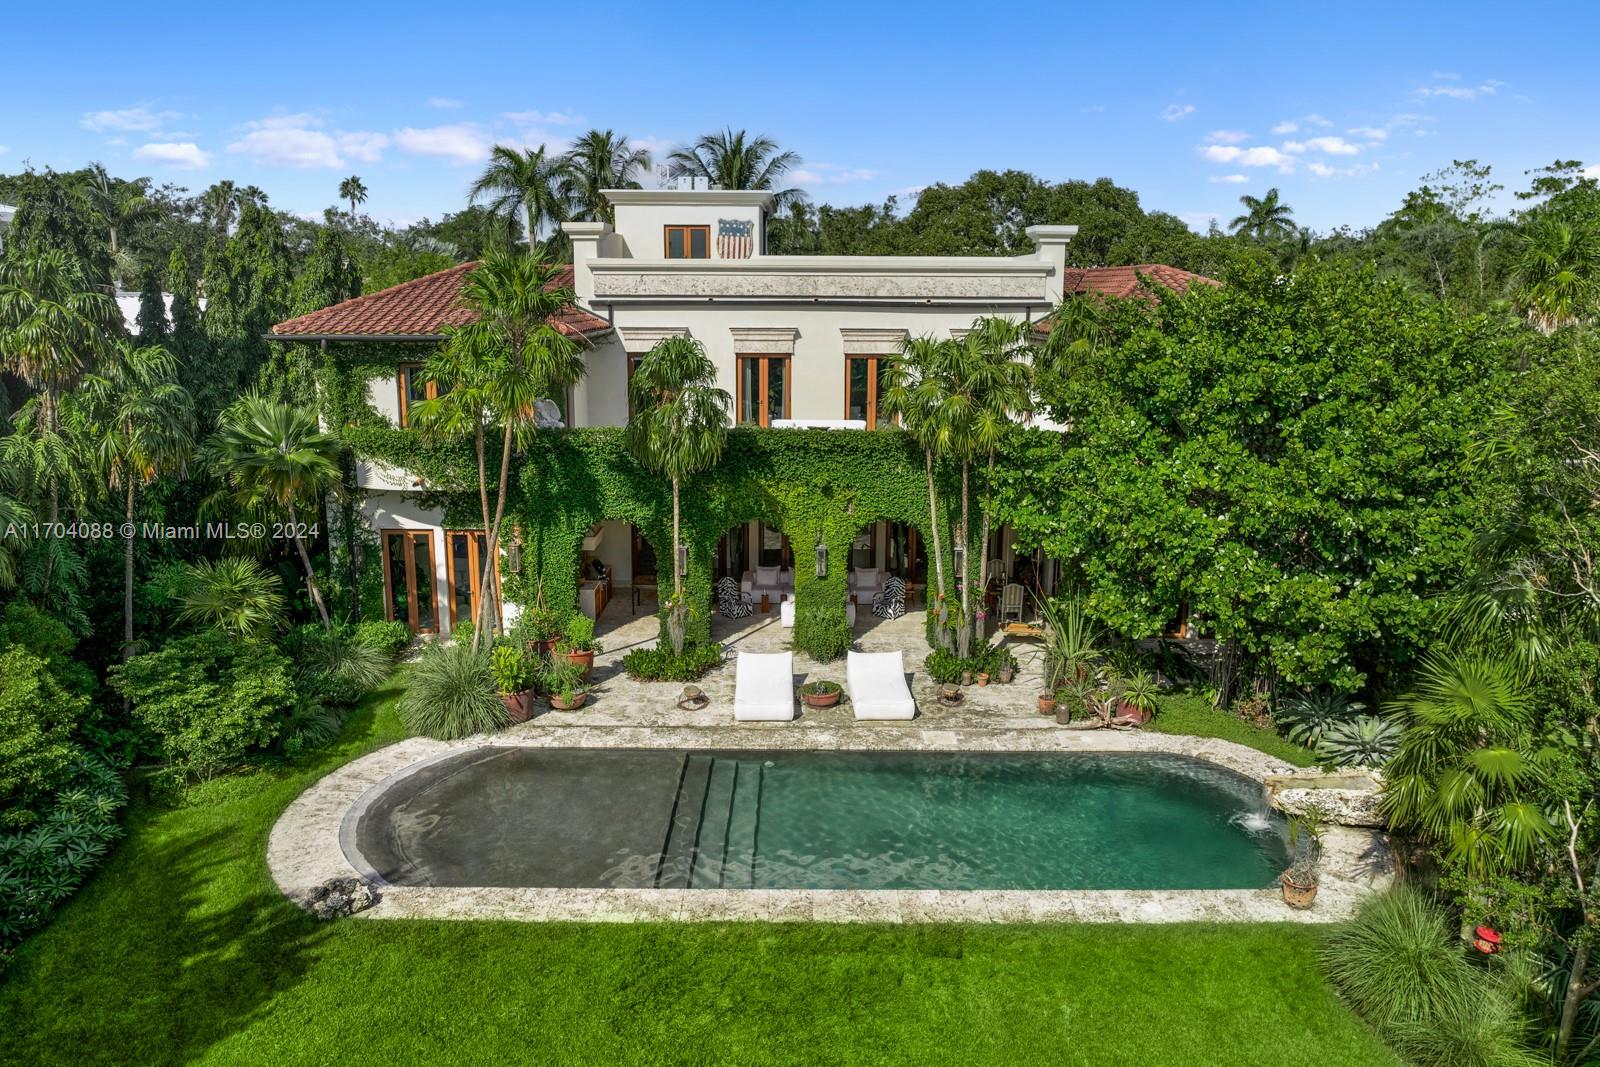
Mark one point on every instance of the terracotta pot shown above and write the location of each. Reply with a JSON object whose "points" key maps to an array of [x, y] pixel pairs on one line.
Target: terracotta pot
{"points": [[966, 677], [1047, 704], [1298, 896], [950, 692], [983, 677], [822, 700], [541, 648], [577, 701], [584, 660], [1006, 674], [520, 705], [1132, 711]]}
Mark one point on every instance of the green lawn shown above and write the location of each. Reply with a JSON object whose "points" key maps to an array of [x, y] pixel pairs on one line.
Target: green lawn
{"points": [[182, 951], [1186, 713]]}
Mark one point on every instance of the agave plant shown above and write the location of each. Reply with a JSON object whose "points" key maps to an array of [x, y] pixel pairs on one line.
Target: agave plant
{"points": [[1304, 719], [1364, 741]]}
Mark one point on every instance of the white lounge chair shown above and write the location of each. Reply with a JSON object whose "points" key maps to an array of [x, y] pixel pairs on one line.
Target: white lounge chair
{"points": [[877, 684], [763, 687]]}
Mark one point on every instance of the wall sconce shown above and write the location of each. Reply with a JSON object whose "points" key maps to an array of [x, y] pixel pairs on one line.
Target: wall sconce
{"points": [[683, 557], [514, 555], [822, 560], [959, 554]]}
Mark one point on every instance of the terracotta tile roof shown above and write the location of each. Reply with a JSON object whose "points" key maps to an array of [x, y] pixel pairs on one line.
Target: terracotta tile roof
{"points": [[422, 307], [1124, 281]]}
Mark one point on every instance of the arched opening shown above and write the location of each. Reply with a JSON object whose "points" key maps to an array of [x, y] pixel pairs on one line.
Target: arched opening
{"points": [[753, 575], [886, 572]]}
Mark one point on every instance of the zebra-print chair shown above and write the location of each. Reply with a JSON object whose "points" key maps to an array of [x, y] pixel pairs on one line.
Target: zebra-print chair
{"points": [[732, 603], [890, 603]]}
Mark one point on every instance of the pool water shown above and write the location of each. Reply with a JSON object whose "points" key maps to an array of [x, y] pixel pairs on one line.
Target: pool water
{"points": [[819, 820]]}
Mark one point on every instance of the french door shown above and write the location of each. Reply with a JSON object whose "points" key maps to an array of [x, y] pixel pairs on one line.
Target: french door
{"points": [[465, 554], [763, 389], [408, 579]]}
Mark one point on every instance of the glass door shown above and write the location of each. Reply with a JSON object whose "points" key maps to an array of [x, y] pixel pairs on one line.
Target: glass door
{"points": [[408, 579], [466, 551]]}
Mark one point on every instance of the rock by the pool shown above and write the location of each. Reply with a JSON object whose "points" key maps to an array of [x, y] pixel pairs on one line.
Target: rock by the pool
{"points": [[1342, 807], [339, 897]]}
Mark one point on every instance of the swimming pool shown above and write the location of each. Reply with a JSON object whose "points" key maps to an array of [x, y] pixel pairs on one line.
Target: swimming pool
{"points": [[625, 818]]}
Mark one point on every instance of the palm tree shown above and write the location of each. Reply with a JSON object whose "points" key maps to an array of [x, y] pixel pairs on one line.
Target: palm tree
{"points": [[1556, 281], [734, 160], [352, 190], [235, 595], [1265, 219], [907, 399], [532, 183], [119, 205], [53, 326], [601, 160], [679, 428], [1000, 359], [139, 423], [272, 455], [217, 206], [508, 360]]}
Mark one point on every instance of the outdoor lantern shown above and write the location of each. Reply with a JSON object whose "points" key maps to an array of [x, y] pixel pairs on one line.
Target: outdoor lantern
{"points": [[822, 560], [960, 554], [514, 555], [683, 556]]}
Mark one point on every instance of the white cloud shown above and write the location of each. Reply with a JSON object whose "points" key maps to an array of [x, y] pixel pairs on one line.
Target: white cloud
{"points": [[128, 120], [180, 154], [1228, 179], [1227, 136], [1092, 109], [832, 174], [1445, 76], [300, 141], [445, 103], [1257, 156], [4, 148], [459, 143], [1314, 119], [908, 190], [1177, 112], [543, 118], [1371, 133], [1458, 92], [1320, 169], [1333, 146], [1591, 171], [1287, 126], [1295, 125], [1323, 170]]}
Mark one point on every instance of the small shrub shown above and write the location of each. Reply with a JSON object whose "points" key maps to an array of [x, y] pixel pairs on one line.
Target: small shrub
{"points": [[49, 639], [659, 664], [1365, 741], [41, 868], [562, 677], [943, 666], [37, 719], [822, 634], [208, 699], [509, 668], [461, 633], [1398, 961], [451, 694], [821, 689], [536, 624], [1305, 718], [310, 725], [580, 634], [392, 637], [334, 666]]}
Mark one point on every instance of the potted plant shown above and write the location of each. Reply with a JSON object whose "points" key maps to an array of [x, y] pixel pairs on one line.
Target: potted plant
{"points": [[1005, 665], [966, 676], [1138, 698], [563, 680], [983, 677], [949, 692], [1305, 840], [540, 628], [1078, 695], [580, 644], [1047, 702], [821, 694], [513, 679]]}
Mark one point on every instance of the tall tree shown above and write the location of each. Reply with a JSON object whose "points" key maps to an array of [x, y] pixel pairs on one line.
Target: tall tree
{"points": [[139, 424], [1000, 357], [512, 357], [679, 428], [276, 456], [909, 399], [218, 205], [1265, 218], [531, 183], [354, 191], [151, 321], [328, 276], [119, 205], [735, 160], [247, 291], [1556, 280], [187, 338], [597, 161], [54, 214]]}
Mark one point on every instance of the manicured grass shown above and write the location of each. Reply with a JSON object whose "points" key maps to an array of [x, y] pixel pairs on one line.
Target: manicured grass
{"points": [[182, 950], [1186, 713]]}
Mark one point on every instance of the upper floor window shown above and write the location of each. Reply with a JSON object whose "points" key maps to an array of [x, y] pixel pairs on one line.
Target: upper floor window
{"points": [[415, 387], [688, 242], [863, 393], [763, 389]]}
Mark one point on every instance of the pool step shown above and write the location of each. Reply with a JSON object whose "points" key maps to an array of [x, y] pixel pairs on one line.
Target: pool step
{"points": [[711, 840], [677, 852], [711, 844], [738, 867]]}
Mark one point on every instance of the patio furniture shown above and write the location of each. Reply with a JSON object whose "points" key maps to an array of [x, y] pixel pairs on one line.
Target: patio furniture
{"points": [[1011, 603], [763, 687], [770, 582], [643, 584], [890, 603], [850, 613], [877, 684], [786, 612], [863, 582], [732, 603]]}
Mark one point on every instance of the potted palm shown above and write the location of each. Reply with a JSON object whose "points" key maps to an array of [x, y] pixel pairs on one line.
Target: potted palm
{"points": [[579, 644], [821, 694], [541, 628], [1137, 700], [1005, 665], [563, 681], [1305, 841], [513, 679]]}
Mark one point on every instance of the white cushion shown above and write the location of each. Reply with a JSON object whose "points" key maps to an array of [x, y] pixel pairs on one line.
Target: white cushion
{"points": [[763, 687], [877, 684], [785, 613], [767, 576]]}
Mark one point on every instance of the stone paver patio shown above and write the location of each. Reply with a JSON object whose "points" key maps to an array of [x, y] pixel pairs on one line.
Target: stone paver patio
{"points": [[313, 840]]}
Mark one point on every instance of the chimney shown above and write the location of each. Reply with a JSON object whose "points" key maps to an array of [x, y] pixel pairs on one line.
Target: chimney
{"points": [[1051, 247]]}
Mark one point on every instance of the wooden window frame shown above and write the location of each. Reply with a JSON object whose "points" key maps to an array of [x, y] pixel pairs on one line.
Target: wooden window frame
{"points": [[763, 418], [874, 370], [631, 363], [475, 567], [430, 391], [408, 536], [688, 243]]}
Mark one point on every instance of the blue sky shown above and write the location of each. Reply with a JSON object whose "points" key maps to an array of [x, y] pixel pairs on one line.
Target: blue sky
{"points": [[1342, 106]]}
